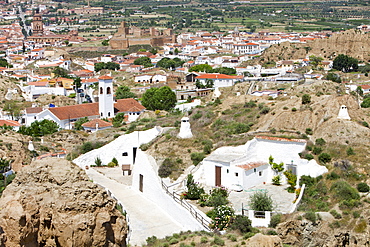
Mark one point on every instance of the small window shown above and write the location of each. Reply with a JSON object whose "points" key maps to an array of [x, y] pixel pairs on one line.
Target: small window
{"points": [[255, 170], [108, 114], [101, 90], [236, 174], [124, 154], [260, 173], [108, 90], [227, 170], [101, 114]]}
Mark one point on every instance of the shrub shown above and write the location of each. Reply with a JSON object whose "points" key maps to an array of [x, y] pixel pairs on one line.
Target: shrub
{"points": [[343, 191], [218, 241], [307, 180], [194, 191], [294, 109], [207, 146], [334, 224], [261, 201], [271, 232], [265, 110], [316, 150], [115, 161], [350, 151], [308, 156], [363, 187], [197, 157], [285, 108], [306, 99], [275, 220], [276, 180], [320, 142], [324, 158], [203, 240], [111, 164], [98, 162], [365, 124], [311, 216], [241, 223], [292, 180], [197, 115], [173, 241], [335, 214], [166, 168], [361, 227], [220, 216], [250, 104], [332, 176], [356, 214]]}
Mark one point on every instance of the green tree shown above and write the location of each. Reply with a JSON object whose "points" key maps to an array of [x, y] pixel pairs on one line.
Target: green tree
{"points": [[145, 61], [60, 72], [13, 108], [108, 65], [123, 92], [261, 201], [201, 68], [194, 191], [345, 63], [333, 77], [359, 91], [118, 120], [162, 98], [105, 42], [78, 124], [4, 63], [77, 83], [315, 61], [40, 128], [366, 103], [225, 71], [306, 99]]}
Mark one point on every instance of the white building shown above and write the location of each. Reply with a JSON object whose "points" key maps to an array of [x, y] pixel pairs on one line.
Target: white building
{"points": [[248, 166], [106, 97]]}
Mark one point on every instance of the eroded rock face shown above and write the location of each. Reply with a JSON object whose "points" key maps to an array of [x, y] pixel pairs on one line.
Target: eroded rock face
{"points": [[305, 233], [52, 203], [260, 240]]}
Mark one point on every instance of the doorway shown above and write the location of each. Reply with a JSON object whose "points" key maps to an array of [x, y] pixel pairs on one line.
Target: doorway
{"points": [[218, 176], [141, 182]]}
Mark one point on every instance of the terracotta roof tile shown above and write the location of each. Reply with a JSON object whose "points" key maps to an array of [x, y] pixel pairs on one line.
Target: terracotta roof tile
{"points": [[128, 105], [76, 111], [9, 122], [105, 77], [251, 165], [97, 121], [33, 110]]}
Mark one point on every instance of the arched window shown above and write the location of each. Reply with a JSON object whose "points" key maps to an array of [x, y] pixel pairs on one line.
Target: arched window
{"points": [[101, 114], [101, 90], [108, 114], [108, 90]]}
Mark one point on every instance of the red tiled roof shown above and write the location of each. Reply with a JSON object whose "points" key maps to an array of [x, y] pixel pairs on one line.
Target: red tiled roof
{"points": [[251, 165], [33, 109], [76, 111], [97, 121], [365, 86], [272, 138], [128, 105], [92, 109], [9, 123], [105, 77], [218, 76]]}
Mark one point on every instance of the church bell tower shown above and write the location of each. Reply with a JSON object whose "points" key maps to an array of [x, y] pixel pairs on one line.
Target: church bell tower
{"points": [[106, 108], [37, 26]]}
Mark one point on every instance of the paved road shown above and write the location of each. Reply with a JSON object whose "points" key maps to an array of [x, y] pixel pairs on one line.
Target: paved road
{"points": [[146, 218]]}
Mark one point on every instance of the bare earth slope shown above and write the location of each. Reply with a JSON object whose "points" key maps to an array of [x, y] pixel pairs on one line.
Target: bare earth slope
{"points": [[52, 203]]}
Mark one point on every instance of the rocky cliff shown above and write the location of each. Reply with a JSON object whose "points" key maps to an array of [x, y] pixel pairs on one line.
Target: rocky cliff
{"points": [[351, 42], [52, 203]]}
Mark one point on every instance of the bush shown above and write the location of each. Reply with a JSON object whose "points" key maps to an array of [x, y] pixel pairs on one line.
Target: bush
{"points": [[220, 216], [241, 223], [218, 241], [363, 187], [194, 191], [294, 109], [115, 161], [250, 104], [276, 180], [335, 214], [261, 201], [166, 168], [197, 157], [308, 156], [306, 99], [311, 216], [217, 198], [271, 232], [316, 150], [324, 158], [350, 151], [265, 110], [207, 146], [111, 164], [203, 240], [332, 176], [275, 220], [320, 142], [98, 162], [343, 191]]}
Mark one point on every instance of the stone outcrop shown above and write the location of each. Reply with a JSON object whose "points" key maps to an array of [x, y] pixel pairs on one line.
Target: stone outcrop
{"points": [[260, 240], [52, 203], [351, 42], [305, 233]]}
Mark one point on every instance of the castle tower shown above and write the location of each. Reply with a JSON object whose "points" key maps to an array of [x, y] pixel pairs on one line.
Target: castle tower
{"points": [[37, 26], [185, 130], [106, 108], [343, 113]]}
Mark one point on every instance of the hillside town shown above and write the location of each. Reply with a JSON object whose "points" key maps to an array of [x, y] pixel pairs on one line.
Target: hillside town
{"points": [[231, 135]]}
